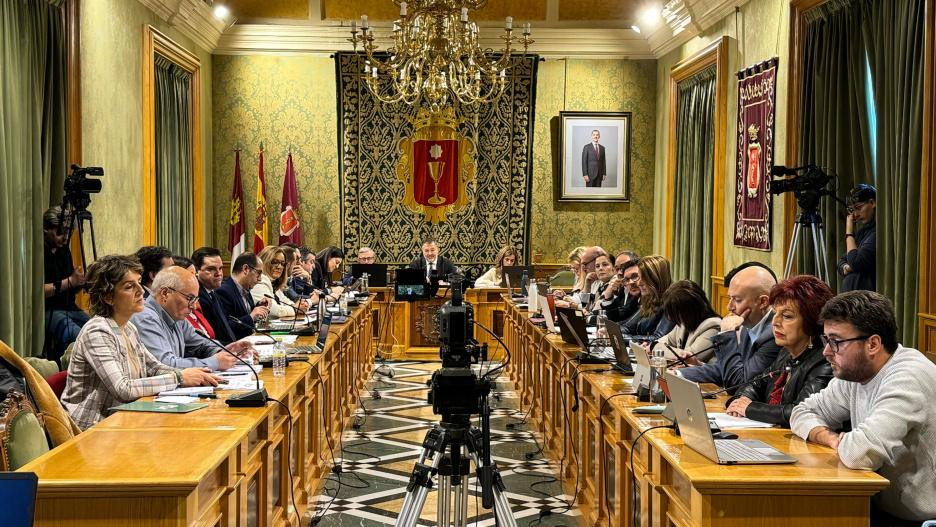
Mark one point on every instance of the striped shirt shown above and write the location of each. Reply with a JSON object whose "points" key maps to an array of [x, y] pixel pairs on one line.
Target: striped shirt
{"points": [[99, 372]]}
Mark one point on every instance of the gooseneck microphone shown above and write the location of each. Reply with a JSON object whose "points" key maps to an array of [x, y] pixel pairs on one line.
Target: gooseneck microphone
{"points": [[252, 399], [687, 357], [252, 328], [769, 374]]}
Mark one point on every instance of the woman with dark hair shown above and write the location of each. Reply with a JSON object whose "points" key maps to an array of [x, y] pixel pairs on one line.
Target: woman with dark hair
{"points": [[327, 261], [109, 364], [506, 257], [650, 322], [801, 369], [686, 304]]}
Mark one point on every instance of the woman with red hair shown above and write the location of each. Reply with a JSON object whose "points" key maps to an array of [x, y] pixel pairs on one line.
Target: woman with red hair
{"points": [[800, 369]]}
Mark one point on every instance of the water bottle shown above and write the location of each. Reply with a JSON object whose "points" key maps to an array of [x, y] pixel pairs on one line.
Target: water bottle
{"points": [[657, 372], [523, 284], [343, 304], [365, 283], [279, 359]]}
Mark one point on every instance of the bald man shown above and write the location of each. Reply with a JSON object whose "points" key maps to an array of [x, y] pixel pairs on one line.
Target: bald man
{"points": [[745, 346], [166, 334], [591, 279]]}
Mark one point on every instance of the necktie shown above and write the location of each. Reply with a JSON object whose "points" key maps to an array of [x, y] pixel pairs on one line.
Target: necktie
{"points": [[596, 149]]}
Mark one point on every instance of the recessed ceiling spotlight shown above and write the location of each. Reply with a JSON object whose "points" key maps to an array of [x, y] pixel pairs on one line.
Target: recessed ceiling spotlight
{"points": [[636, 29], [650, 16], [220, 11]]}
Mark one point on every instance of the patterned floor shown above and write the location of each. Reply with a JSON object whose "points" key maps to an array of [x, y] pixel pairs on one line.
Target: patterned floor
{"points": [[378, 459]]}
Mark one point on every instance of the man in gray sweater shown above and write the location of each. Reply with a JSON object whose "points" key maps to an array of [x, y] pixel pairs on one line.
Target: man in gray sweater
{"points": [[886, 390]]}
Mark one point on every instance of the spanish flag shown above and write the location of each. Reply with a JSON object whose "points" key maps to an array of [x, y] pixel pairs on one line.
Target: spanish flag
{"points": [[237, 226], [261, 224]]}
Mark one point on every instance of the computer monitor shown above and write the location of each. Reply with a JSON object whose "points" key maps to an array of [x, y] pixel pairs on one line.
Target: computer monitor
{"points": [[18, 496], [376, 272], [511, 275], [411, 285]]}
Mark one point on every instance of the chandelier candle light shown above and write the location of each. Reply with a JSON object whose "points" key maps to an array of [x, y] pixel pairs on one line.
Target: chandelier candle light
{"points": [[436, 50]]}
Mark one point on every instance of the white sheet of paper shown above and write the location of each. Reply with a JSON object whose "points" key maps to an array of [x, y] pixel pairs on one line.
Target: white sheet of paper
{"points": [[176, 399], [187, 391], [727, 422], [265, 340], [240, 384]]}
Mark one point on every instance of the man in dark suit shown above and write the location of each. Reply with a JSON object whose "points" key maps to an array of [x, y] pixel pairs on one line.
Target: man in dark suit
{"points": [[234, 295], [209, 269], [621, 299], [431, 261], [746, 345], [594, 167]]}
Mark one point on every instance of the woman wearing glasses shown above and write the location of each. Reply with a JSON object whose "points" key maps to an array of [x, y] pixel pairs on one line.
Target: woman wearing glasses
{"points": [[858, 265], [109, 364], [800, 369], [273, 284], [650, 322]]}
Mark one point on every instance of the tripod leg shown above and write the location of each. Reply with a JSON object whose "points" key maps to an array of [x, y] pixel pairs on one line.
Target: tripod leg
{"points": [[825, 255], [820, 270], [504, 514], [421, 479], [794, 246], [443, 497]]}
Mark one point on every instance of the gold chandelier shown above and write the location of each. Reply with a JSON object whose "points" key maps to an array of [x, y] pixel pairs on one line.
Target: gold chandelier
{"points": [[436, 51]]}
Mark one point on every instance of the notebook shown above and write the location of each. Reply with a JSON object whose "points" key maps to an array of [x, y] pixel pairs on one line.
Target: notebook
{"points": [[163, 408], [696, 431]]}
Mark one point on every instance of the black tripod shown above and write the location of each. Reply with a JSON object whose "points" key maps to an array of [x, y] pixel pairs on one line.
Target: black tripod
{"points": [[809, 216], [78, 218]]}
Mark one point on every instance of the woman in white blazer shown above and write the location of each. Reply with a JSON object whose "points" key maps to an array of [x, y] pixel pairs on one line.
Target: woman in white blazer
{"points": [[273, 283], [696, 322]]}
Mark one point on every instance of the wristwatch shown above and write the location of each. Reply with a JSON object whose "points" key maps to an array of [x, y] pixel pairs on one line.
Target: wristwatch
{"points": [[849, 234]]}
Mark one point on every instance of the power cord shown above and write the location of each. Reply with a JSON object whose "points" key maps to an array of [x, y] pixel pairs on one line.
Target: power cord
{"points": [[288, 442], [604, 461], [634, 474]]}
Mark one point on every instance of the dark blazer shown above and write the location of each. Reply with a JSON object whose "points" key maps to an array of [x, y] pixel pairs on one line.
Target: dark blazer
{"points": [[647, 328], [622, 306], [735, 362], [318, 280], [862, 261], [444, 266], [215, 316], [230, 302], [809, 374], [594, 166]]}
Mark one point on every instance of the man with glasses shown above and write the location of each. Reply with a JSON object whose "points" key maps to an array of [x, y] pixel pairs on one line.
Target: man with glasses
{"points": [[591, 280], [168, 336], [858, 265], [887, 392], [234, 295], [621, 299], [365, 255], [209, 269]]}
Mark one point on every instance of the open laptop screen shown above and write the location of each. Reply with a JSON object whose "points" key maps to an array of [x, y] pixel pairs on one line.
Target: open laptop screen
{"points": [[18, 498]]}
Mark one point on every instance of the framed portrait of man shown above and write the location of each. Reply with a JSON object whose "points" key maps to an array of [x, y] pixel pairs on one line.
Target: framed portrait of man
{"points": [[594, 156]]}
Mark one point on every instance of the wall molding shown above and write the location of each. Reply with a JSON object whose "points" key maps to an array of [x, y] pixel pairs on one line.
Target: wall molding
{"points": [[192, 18]]}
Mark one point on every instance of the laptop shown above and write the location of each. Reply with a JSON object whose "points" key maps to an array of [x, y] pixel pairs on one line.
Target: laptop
{"points": [[18, 496], [377, 273], [319, 345], [512, 274], [696, 432], [619, 345], [585, 356], [574, 323]]}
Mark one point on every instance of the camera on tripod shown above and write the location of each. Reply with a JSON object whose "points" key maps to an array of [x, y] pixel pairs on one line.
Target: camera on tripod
{"points": [[808, 184], [78, 188]]}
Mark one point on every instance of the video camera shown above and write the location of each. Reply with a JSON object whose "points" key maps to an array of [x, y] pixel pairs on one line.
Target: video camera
{"points": [[78, 188], [808, 184], [455, 389]]}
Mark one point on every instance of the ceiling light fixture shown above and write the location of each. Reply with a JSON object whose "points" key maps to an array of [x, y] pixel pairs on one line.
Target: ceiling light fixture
{"points": [[650, 16], [220, 12], [636, 29], [436, 51]]}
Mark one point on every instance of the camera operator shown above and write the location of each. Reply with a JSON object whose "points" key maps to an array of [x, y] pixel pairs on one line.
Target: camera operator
{"points": [[62, 281], [858, 265]]}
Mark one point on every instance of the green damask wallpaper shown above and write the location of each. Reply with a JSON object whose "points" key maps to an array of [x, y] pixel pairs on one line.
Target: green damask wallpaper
{"points": [[599, 86], [291, 101], [287, 103]]}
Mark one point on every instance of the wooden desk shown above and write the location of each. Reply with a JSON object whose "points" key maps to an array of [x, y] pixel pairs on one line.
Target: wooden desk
{"points": [[215, 466], [676, 486]]}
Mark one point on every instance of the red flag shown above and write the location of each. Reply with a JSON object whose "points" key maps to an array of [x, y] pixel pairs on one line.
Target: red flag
{"points": [[290, 229], [237, 225], [261, 228], [436, 177]]}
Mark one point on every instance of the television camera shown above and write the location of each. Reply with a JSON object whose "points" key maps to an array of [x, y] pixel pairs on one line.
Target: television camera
{"points": [[78, 189]]}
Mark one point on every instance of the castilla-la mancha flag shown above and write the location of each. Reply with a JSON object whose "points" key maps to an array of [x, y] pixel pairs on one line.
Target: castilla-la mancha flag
{"points": [[290, 228], [261, 224], [237, 227]]}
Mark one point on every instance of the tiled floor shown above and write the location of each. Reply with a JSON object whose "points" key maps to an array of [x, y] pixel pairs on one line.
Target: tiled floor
{"points": [[378, 460]]}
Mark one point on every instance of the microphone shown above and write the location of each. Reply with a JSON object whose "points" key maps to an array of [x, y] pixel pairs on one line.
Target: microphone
{"points": [[297, 311], [252, 328], [252, 399], [752, 381], [687, 357]]}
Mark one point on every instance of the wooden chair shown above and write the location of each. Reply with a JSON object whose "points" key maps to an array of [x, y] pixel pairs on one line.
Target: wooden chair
{"points": [[22, 432]]}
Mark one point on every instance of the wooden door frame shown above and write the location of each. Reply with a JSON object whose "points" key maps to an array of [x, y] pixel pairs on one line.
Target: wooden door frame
{"points": [[156, 42], [715, 54]]}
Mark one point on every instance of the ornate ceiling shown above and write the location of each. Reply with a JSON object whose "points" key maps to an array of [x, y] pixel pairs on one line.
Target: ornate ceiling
{"points": [[564, 28]]}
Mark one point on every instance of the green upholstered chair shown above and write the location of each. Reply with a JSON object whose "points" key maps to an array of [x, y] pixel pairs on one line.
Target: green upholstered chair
{"points": [[563, 279], [22, 432], [66, 357], [45, 368]]}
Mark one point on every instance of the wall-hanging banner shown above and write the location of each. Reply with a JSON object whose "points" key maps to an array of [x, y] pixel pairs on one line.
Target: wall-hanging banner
{"points": [[757, 96], [462, 176]]}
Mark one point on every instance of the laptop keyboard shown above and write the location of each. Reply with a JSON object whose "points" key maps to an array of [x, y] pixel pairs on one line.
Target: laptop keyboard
{"points": [[304, 349], [731, 450]]}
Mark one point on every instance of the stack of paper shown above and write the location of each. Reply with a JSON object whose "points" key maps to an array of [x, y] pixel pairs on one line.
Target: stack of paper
{"points": [[727, 422], [187, 391]]}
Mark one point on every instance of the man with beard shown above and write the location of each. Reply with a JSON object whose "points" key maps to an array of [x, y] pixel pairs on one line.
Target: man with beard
{"points": [[621, 299], [886, 391]]}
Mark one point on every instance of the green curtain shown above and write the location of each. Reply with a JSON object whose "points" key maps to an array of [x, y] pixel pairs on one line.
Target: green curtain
{"points": [[894, 35], [694, 179], [835, 132], [32, 159], [174, 178]]}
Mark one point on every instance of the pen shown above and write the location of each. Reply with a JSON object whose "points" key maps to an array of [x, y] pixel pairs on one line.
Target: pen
{"points": [[204, 395]]}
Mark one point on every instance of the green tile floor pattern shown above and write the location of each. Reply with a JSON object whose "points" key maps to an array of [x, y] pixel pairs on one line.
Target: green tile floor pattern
{"points": [[377, 460]]}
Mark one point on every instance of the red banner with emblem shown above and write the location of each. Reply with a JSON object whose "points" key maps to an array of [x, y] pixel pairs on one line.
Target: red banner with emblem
{"points": [[435, 171]]}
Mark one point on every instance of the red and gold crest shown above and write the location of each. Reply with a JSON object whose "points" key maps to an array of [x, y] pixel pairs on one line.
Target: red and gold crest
{"points": [[436, 164], [754, 161]]}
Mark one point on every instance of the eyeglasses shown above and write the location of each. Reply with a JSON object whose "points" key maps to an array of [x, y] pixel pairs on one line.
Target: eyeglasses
{"points": [[836, 344], [586, 264], [256, 269], [856, 207], [278, 263], [631, 279], [189, 298], [366, 259]]}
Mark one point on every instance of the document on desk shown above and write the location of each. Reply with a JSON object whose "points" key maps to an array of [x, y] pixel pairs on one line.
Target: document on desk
{"points": [[727, 422], [187, 391], [242, 368], [243, 383], [166, 408], [265, 340]]}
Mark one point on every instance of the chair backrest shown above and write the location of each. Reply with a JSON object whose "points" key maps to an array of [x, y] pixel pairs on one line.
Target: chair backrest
{"points": [[57, 383], [563, 279], [22, 432], [45, 368]]}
